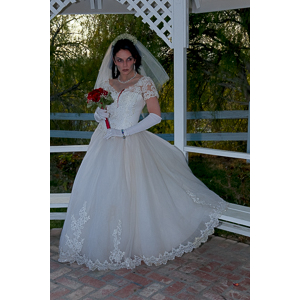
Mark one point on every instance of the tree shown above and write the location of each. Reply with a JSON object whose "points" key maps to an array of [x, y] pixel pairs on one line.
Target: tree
{"points": [[67, 62], [77, 47], [219, 70], [218, 65]]}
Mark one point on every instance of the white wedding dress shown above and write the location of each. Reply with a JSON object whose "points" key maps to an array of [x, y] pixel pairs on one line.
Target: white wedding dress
{"points": [[135, 199]]}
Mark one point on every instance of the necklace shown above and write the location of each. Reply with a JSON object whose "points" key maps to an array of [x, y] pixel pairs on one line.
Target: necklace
{"points": [[128, 79]]}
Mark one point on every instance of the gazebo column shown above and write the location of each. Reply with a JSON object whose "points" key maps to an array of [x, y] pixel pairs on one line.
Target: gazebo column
{"points": [[180, 43]]}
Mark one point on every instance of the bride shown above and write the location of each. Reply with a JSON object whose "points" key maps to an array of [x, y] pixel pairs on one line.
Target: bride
{"points": [[134, 197]]}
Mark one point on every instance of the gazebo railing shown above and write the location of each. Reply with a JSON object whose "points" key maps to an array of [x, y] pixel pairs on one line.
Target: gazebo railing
{"points": [[226, 136], [236, 219]]}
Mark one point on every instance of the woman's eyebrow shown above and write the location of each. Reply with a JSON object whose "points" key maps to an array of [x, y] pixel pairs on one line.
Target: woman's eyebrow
{"points": [[122, 58]]}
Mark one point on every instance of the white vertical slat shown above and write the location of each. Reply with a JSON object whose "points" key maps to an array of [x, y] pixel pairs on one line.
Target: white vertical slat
{"points": [[180, 31], [100, 4], [197, 3], [92, 3]]}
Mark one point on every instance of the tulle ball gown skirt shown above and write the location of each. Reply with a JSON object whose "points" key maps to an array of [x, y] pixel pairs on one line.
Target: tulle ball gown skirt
{"points": [[135, 200]]}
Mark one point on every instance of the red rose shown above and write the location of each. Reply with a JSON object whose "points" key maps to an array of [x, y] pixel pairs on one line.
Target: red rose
{"points": [[95, 95], [93, 99]]}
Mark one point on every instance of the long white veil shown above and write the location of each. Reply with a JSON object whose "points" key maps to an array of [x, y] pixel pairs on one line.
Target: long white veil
{"points": [[149, 64]]}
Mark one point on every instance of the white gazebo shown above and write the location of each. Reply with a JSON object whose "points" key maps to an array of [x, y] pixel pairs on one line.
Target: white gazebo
{"points": [[169, 19]]}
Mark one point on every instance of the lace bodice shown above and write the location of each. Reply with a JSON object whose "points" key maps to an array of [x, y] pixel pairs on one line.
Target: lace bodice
{"points": [[128, 104]]}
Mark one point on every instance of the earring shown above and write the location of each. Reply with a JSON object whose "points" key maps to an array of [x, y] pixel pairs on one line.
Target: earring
{"points": [[116, 71], [134, 67]]}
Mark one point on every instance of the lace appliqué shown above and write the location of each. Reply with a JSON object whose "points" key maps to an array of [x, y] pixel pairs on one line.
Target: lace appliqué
{"points": [[117, 260], [117, 254], [149, 89], [193, 196], [75, 243], [216, 205], [144, 86], [202, 235]]}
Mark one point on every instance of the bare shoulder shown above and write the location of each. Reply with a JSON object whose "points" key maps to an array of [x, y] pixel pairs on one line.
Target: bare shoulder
{"points": [[112, 81]]}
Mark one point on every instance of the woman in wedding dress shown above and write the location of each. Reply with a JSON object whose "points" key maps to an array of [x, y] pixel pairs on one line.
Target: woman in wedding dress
{"points": [[134, 197]]}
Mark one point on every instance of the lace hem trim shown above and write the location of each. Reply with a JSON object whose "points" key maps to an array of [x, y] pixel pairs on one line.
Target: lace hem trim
{"points": [[131, 263]]}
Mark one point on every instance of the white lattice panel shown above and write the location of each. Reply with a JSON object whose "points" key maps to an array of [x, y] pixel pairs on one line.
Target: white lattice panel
{"points": [[158, 14], [57, 5]]}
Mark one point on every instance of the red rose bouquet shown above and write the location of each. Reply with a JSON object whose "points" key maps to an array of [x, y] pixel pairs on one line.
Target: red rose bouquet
{"points": [[100, 98]]}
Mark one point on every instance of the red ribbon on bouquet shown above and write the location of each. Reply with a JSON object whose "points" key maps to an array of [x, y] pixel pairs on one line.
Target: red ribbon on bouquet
{"points": [[100, 98], [107, 123]]}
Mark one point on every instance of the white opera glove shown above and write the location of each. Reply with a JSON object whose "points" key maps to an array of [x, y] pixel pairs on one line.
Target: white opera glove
{"points": [[100, 114], [149, 121]]}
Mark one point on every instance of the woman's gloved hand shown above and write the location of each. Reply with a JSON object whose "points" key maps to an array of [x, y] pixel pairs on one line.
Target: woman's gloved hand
{"points": [[113, 132], [100, 114]]}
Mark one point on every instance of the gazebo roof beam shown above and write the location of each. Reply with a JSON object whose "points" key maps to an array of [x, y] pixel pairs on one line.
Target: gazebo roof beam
{"points": [[158, 14], [94, 7], [203, 6], [113, 7]]}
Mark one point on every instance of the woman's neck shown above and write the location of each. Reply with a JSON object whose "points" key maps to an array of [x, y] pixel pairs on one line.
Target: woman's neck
{"points": [[125, 77]]}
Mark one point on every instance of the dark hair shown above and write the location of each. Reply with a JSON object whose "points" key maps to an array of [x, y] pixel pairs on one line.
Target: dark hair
{"points": [[125, 44]]}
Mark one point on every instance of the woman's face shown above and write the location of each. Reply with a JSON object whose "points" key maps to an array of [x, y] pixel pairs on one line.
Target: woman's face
{"points": [[124, 61]]}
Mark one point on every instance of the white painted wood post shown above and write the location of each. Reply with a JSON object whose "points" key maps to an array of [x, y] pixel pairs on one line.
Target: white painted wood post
{"points": [[180, 42]]}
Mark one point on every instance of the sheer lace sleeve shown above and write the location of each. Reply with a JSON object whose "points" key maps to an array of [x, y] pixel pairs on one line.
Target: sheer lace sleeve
{"points": [[148, 89]]}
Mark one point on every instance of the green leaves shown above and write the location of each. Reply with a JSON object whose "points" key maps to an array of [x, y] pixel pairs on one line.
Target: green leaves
{"points": [[218, 71], [218, 63]]}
